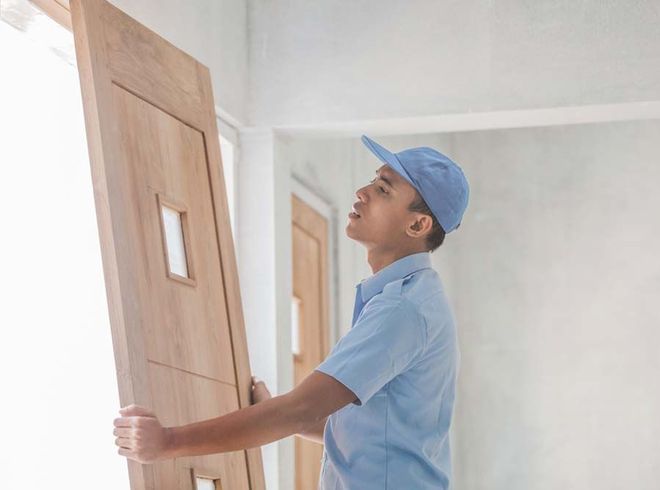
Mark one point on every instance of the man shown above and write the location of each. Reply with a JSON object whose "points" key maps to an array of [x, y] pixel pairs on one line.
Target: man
{"points": [[382, 401]]}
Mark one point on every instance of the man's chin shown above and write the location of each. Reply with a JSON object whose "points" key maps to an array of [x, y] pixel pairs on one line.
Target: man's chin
{"points": [[350, 233]]}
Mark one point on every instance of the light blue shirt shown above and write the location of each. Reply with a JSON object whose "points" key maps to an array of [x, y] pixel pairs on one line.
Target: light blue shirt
{"points": [[400, 358]]}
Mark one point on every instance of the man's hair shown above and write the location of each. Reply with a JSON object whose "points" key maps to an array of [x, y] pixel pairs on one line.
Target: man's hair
{"points": [[437, 234]]}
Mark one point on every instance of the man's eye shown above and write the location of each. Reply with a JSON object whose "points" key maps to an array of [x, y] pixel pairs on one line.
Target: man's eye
{"points": [[380, 186]]}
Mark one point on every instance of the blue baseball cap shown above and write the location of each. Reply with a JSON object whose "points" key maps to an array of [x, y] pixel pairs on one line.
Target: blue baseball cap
{"points": [[439, 180]]}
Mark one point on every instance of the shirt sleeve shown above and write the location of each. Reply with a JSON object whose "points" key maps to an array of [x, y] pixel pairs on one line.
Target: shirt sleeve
{"points": [[388, 338]]}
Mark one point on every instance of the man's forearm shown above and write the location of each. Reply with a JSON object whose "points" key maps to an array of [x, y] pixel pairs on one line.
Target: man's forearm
{"points": [[314, 432], [248, 427]]}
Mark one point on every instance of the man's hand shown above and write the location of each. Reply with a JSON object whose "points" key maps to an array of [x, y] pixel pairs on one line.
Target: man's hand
{"points": [[259, 391], [140, 436]]}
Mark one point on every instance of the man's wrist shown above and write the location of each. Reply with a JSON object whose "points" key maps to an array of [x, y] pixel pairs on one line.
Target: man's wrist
{"points": [[172, 442]]}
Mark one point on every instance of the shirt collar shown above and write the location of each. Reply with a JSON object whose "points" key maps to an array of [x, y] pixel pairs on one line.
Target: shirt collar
{"points": [[398, 269]]}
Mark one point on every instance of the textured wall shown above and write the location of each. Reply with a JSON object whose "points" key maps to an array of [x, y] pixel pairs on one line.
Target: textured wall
{"points": [[315, 62], [556, 278]]}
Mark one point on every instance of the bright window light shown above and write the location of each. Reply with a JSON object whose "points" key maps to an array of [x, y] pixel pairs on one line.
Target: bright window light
{"points": [[57, 371], [227, 152]]}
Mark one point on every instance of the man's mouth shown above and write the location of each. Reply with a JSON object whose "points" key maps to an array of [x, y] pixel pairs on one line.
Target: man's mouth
{"points": [[353, 214]]}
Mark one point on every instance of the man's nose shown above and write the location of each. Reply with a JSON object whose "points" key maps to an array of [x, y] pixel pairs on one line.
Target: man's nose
{"points": [[361, 193]]}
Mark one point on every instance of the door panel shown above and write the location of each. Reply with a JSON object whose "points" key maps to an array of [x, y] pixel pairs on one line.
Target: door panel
{"points": [[183, 397], [181, 321], [178, 333]]}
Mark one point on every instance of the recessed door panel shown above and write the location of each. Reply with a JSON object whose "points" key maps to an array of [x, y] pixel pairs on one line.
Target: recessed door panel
{"points": [[183, 397], [186, 322]]}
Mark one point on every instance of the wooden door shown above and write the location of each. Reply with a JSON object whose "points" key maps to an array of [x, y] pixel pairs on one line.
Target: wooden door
{"points": [[310, 301], [168, 257]]}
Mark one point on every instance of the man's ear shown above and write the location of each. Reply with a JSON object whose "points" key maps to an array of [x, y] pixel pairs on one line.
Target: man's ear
{"points": [[422, 224]]}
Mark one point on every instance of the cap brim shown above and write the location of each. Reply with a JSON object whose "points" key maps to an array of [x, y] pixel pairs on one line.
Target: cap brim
{"points": [[386, 156]]}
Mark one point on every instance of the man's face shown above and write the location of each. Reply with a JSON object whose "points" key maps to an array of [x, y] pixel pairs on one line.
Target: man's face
{"points": [[383, 209]]}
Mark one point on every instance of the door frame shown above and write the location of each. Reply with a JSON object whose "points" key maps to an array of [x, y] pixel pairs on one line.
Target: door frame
{"points": [[309, 196]]}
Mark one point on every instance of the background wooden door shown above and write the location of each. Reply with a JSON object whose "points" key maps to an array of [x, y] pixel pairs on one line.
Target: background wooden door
{"points": [[310, 299], [175, 312]]}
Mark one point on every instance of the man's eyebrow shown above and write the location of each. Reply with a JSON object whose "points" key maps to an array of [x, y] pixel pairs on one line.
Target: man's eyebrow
{"points": [[387, 181]]}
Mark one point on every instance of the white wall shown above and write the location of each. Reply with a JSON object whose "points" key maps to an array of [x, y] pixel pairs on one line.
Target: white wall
{"points": [[264, 263], [314, 62], [556, 284]]}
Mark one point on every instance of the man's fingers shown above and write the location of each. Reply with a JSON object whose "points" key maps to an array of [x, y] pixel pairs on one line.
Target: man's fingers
{"points": [[122, 422], [123, 442], [122, 431], [125, 452]]}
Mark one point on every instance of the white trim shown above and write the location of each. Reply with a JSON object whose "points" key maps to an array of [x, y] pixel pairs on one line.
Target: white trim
{"points": [[306, 193], [475, 121], [228, 132], [228, 118], [229, 126]]}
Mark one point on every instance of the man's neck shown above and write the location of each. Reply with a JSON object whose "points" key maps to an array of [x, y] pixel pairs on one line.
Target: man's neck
{"points": [[379, 259]]}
